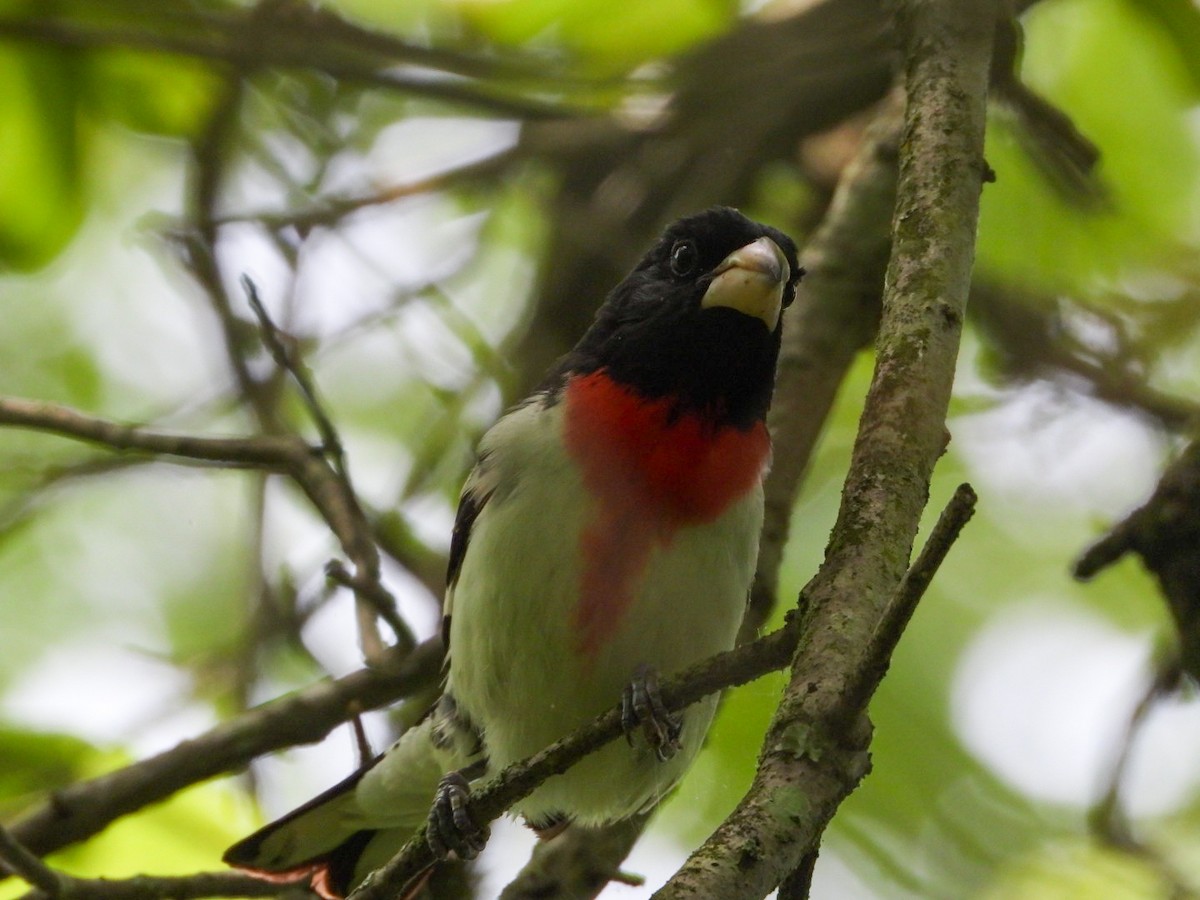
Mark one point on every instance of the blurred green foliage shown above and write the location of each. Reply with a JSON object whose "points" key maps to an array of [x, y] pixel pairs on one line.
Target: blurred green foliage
{"points": [[178, 837], [1125, 82], [40, 155], [612, 37]]}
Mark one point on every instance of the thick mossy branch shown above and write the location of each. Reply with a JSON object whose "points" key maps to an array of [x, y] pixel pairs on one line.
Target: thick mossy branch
{"points": [[815, 749]]}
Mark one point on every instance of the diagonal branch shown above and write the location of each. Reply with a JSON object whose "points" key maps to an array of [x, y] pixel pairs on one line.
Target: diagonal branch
{"points": [[294, 36], [373, 599], [287, 454], [729, 669], [273, 453], [49, 884], [282, 350], [20, 862], [81, 810]]}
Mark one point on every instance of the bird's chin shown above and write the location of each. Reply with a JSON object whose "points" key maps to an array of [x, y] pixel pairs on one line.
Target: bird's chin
{"points": [[736, 325]]}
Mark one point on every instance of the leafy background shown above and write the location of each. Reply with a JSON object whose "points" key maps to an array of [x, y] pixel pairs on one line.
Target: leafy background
{"points": [[131, 610]]}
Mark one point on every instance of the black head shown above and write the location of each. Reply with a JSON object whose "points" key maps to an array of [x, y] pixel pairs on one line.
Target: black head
{"points": [[697, 320]]}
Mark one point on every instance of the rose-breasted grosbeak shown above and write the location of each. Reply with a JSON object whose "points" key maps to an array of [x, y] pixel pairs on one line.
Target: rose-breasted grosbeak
{"points": [[609, 529]]}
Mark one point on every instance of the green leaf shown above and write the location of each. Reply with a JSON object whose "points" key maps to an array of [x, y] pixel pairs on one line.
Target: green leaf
{"points": [[40, 198], [1179, 22], [36, 762], [613, 35], [166, 95], [186, 834], [40, 354], [1080, 871], [1123, 83]]}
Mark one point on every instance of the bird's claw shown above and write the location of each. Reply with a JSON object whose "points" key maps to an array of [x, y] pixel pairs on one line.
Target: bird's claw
{"points": [[450, 828], [642, 707]]}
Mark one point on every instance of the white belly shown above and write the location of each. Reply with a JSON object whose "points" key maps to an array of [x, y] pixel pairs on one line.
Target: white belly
{"points": [[516, 669]]}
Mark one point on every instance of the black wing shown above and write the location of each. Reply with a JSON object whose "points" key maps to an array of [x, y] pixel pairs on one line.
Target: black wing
{"points": [[475, 495]]}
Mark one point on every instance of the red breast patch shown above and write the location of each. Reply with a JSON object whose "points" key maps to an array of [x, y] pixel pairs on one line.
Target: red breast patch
{"points": [[651, 472]]}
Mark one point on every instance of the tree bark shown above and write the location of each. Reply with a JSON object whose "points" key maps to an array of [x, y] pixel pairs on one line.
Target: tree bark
{"points": [[814, 753]]}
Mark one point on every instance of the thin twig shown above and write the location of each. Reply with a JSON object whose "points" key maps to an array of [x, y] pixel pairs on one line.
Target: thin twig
{"points": [[273, 453], [378, 601], [327, 486], [954, 517], [153, 887], [372, 597], [281, 453], [1108, 820], [306, 54], [26, 866], [895, 618], [331, 210], [282, 350]]}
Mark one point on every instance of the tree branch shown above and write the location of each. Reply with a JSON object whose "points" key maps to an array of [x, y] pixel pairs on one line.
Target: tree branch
{"points": [[281, 453], [814, 751], [283, 352], [273, 453], [1164, 532], [891, 625], [49, 884], [328, 211], [86, 808], [373, 598], [517, 781], [1108, 819], [295, 36], [577, 864], [896, 616], [26, 866]]}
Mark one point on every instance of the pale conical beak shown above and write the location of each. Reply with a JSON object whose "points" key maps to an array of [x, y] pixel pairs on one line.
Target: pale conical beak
{"points": [[751, 280]]}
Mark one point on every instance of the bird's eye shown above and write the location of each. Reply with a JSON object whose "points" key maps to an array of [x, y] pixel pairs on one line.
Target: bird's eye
{"points": [[683, 258]]}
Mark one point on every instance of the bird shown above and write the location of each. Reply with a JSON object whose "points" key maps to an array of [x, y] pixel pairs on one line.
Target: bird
{"points": [[606, 536]]}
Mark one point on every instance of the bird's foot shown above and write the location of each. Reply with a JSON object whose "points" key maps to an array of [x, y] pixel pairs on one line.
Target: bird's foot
{"points": [[450, 827], [642, 707]]}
